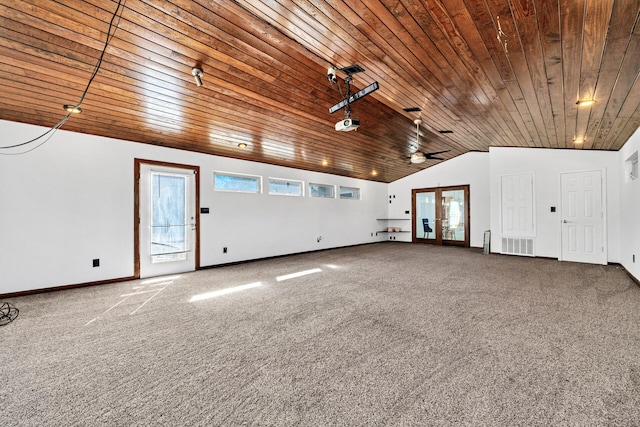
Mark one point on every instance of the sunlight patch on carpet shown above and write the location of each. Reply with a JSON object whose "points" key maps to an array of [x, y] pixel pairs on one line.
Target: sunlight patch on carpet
{"points": [[298, 274], [224, 291], [160, 279]]}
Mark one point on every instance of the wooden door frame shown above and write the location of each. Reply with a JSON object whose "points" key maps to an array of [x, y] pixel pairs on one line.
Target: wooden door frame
{"points": [[136, 209], [437, 226]]}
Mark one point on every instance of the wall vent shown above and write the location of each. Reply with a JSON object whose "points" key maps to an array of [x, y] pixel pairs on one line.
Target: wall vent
{"points": [[517, 246]]}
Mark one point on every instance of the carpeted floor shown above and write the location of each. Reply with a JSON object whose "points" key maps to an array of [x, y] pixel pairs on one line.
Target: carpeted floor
{"points": [[388, 334]]}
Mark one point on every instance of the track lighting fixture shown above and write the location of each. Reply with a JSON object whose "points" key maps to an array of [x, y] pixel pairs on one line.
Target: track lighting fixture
{"points": [[197, 75]]}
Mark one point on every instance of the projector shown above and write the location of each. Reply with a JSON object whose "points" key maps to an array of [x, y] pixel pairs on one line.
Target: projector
{"points": [[347, 125]]}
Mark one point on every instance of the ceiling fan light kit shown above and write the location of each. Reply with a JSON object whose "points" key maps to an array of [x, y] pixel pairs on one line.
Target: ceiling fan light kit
{"points": [[419, 156]]}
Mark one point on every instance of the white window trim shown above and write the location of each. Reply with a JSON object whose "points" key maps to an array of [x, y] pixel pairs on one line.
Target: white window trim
{"points": [[350, 188], [239, 175], [271, 178], [323, 185]]}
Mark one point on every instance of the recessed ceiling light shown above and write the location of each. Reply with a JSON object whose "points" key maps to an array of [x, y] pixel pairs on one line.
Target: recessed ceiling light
{"points": [[325, 163], [242, 145], [578, 140], [374, 172], [585, 102], [72, 108]]}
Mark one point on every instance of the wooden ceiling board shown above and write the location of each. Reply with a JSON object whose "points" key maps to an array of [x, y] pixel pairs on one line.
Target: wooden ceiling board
{"points": [[495, 72]]}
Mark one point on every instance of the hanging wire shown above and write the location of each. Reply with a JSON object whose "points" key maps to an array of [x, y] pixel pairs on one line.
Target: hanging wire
{"points": [[53, 130], [8, 313]]}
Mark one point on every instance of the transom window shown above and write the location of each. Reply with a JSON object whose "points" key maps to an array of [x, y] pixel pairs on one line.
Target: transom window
{"points": [[322, 190], [285, 187], [349, 192], [223, 181]]}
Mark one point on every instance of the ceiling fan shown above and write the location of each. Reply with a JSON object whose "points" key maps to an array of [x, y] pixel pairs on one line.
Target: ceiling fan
{"points": [[419, 156]]}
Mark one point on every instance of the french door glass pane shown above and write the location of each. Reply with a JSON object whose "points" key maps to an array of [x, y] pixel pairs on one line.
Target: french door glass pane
{"points": [[426, 215], [168, 218], [453, 215]]}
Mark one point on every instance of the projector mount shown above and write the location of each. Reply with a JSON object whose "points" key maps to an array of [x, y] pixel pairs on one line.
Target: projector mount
{"points": [[348, 99]]}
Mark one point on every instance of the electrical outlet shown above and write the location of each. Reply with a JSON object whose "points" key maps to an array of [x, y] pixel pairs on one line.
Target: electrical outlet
{"points": [[224, 250], [96, 262]]}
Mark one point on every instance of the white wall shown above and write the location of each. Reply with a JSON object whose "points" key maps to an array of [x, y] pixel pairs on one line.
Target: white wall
{"points": [[71, 201], [547, 165], [469, 169], [629, 209]]}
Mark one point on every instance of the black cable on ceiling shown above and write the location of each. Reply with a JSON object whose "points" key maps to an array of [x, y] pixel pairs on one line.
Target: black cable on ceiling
{"points": [[77, 105]]}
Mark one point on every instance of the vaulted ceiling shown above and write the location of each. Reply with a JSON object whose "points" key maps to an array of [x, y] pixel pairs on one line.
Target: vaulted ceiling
{"points": [[481, 72]]}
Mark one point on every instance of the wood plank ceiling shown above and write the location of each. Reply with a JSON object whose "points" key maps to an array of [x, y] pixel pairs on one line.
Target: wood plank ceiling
{"points": [[493, 72]]}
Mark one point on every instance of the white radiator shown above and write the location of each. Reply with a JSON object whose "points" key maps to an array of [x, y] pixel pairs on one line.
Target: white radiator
{"points": [[517, 246]]}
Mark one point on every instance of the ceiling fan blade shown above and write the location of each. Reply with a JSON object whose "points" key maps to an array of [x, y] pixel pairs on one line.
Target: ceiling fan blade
{"points": [[432, 155], [436, 152]]}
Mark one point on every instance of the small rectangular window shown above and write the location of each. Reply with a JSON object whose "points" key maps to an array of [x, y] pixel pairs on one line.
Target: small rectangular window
{"points": [[223, 181], [349, 192], [322, 190], [285, 187]]}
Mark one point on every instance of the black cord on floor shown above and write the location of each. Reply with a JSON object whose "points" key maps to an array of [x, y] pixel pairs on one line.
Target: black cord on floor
{"points": [[8, 313]]}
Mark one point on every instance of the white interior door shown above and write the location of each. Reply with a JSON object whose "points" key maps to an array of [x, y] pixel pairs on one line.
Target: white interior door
{"points": [[583, 218], [167, 220]]}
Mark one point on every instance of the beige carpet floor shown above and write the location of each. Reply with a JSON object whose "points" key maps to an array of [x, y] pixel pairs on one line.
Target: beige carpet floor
{"points": [[388, 334]]}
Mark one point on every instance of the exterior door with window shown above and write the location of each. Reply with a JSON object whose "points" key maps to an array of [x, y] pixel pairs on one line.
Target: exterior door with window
{"points": [[168, 219], [441, 215], [582, 225]]}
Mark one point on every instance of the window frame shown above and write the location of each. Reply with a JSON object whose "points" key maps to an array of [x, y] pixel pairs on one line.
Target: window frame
{"points": [[257, 178], [357, 190], [333, 190], [287, 181]]}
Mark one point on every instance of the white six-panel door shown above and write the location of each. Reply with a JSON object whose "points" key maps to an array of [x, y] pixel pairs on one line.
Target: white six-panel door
{"points": [[582, 216]]}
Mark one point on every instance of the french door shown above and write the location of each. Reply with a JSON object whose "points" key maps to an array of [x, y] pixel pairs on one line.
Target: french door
{"points": [[167, 219], [441, 215]]}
